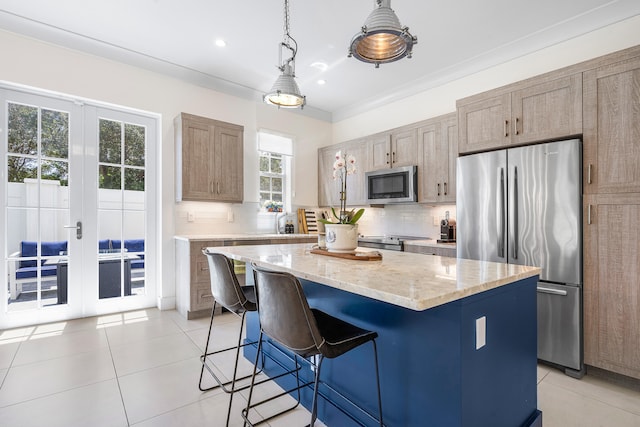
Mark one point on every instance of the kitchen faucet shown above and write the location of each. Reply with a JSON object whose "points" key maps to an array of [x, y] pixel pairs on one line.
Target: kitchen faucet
{"points": [[278, 217]]}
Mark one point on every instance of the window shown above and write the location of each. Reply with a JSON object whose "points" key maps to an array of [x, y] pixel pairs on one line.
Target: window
{"points": [[271, 181], [275, 153]]}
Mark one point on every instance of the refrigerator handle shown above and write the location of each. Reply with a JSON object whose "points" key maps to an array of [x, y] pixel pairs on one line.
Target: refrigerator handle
{"points": [[502, 216], [515, 212]]}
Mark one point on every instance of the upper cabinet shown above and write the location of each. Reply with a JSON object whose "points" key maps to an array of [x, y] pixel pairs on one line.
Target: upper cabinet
{"points": [[438, 144], [329, 188], [393, 149], [538, 109], [612, 128], [209, 159]]}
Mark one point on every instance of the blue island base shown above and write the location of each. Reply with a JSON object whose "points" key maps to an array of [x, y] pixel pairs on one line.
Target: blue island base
{"points": [[431, 372]]}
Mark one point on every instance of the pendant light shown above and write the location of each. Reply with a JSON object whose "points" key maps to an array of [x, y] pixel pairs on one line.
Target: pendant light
{"points": [[382, 39], [285, 92]]}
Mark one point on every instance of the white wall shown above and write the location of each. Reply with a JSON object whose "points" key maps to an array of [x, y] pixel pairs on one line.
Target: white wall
{"points": [[42, 65]]}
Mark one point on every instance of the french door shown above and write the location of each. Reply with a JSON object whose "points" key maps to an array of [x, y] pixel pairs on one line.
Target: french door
{"points": [[78, 190]]}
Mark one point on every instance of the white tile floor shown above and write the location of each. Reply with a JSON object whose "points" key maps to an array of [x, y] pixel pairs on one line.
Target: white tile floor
{"points": [[141, 369]]}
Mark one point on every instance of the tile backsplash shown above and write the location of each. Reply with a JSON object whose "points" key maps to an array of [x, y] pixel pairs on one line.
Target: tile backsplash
{"points": [[405, 220], [197, 218]]}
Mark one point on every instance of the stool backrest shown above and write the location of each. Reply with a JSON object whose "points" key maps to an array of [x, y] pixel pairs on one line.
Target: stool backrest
{"points": [[285, 314], [224, 283]]}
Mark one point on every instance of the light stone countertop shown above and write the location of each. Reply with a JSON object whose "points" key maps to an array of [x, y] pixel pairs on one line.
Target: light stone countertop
{"points": [[247, 236], [404, 279]]}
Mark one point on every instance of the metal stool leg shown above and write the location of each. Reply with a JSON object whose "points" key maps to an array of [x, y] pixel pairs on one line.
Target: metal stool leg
{"points": [[314, 405], [375, 356]]}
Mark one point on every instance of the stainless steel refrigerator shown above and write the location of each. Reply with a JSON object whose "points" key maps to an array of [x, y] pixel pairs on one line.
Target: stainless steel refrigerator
{"points": [[524, 206]]}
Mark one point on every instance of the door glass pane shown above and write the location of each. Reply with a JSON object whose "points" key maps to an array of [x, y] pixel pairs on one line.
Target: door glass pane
{"points": [[37, 206], [121, 209]]}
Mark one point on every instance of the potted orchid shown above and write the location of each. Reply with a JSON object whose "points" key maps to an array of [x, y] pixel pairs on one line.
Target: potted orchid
{"points": [[342, 236]]}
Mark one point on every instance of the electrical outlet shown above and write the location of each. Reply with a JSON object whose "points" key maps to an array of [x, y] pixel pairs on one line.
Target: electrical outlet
{"points": [[481, 332], [230, 216], [190, 217]]}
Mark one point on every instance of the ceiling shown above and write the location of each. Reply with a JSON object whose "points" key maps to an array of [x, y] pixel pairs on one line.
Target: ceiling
{"points": [[176, 37]]}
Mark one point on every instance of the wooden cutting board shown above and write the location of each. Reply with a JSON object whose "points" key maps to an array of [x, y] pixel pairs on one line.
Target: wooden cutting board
{"points": [[358, 256]]}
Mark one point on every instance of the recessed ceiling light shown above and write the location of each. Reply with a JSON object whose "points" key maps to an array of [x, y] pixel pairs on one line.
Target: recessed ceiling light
{"points": [[320, 66], [220, 43], [321, 82]]}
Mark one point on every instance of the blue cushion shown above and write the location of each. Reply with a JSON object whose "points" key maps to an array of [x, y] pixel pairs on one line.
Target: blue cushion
{"points": [[32, 272], [134, 245], [131, 245], [29, 249], [104, 244], [137, 263]]}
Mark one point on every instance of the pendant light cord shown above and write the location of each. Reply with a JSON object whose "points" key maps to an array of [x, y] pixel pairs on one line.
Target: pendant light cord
{"points": [[287, 40]]}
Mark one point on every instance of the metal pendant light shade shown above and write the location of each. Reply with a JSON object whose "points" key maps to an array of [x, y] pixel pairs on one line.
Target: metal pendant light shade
{"points": [[285, 92], [382, 38]]}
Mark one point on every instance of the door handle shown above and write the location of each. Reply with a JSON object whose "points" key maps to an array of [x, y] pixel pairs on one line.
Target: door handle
{"points": [[552, 291], [78, 228], [515, 212], [502, 218]]}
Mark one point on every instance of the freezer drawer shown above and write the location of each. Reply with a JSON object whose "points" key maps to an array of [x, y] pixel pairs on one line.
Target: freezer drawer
{"points": [[560, 324]]}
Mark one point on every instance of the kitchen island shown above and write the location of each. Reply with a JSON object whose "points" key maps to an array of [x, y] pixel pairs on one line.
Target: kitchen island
{"points": [[457, 338]]}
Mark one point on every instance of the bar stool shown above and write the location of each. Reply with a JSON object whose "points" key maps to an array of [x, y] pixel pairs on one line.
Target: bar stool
{"points": [[285, 317], [239, 300]]}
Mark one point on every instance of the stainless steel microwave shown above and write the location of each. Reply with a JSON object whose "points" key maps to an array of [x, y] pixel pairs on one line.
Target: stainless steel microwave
{"points": [[395, 185]]}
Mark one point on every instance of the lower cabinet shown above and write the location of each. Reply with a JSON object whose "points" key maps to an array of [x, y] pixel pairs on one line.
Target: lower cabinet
{"points": [[612, 282], [432, 250], [193, 280]]}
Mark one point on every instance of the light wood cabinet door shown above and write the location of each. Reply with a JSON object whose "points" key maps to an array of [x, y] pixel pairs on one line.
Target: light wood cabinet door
{"points": [[197, 160], [548, 110], [379, 151], [229, 171], [439, 149], [612, 128], [484, 124], [328, 188], [612, 282], [356, 183], [209, 156], [404, 147]]}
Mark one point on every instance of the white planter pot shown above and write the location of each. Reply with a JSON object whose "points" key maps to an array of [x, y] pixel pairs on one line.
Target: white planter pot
{"points": [[341, 237]]}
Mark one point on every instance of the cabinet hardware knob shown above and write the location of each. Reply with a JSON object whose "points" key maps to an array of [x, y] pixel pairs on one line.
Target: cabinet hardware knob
{"points": [[207, 296], [387, 158], [589, 215], [589, 174], [515, 126], [506, 128], [445, 188], [218, 186], [204, 269], [438, 189], [393, 157]]}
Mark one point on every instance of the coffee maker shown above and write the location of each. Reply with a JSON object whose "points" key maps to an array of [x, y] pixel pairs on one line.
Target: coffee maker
{"points": [[447, 230]]}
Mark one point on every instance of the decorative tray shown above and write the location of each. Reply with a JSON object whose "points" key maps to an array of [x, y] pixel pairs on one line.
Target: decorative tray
{"points": [[359, 256]]}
